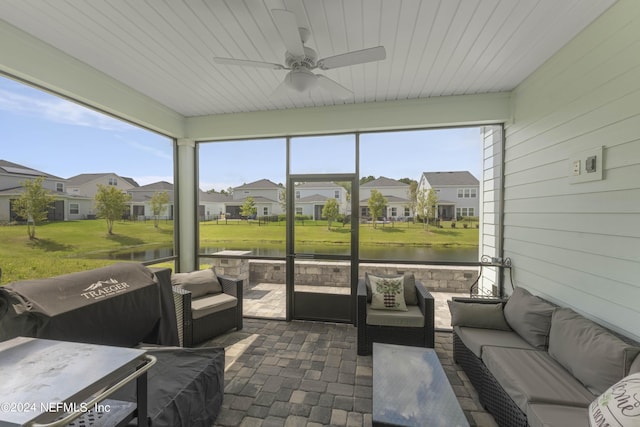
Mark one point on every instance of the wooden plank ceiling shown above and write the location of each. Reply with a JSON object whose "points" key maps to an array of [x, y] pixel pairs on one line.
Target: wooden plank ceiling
{"points": [[165, 48]]}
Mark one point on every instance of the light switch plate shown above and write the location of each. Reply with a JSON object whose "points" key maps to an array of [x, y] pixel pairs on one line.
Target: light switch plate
{"points": [[589, 164]]}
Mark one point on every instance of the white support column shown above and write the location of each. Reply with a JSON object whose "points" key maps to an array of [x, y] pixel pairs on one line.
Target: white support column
{"points": [[186, 176]]}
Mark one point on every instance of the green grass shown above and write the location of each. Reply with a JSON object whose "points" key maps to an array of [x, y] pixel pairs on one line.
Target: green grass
{"points": [[63, 247]]}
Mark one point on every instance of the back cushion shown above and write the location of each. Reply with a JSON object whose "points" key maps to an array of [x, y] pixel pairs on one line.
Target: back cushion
{"points": [[591, 353], [530, 317], [635, 366], [199, 283]]}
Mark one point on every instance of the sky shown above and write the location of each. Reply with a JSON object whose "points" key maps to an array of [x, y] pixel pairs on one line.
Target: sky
{"points": [[44, 132]]}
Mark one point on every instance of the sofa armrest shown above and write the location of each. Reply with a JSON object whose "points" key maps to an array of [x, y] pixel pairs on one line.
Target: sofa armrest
{"points": [[361, 302], [480, 300], [182, 301], [426, 303], [234, 287]]}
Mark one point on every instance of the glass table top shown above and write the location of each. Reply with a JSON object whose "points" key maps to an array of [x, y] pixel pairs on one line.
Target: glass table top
{"points": [[410, 388]]}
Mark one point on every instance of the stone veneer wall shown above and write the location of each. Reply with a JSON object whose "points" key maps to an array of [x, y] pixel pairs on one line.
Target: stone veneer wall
{"points": [[325, 273]]}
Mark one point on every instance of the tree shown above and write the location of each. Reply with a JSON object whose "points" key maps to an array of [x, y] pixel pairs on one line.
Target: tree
{"points": [[282, 199], [377, 203], [33, 205], [412, 195], [111, 203], [366, 179], [158, 201], [331, 211], [426, 202], [248, 208]]}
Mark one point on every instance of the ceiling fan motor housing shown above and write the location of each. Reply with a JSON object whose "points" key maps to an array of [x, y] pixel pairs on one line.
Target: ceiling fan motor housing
{"points": [[307, 61]]}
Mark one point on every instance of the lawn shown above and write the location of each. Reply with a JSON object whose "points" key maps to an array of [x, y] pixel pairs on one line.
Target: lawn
{"points": [[63, 247]]}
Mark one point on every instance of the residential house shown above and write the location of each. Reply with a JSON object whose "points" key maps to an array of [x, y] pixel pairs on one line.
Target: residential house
{"points": [[312, 196], [395, 192], [458, 193], [66, 206], [212, 205], [141, 200], [86, 184], [266, 194]]}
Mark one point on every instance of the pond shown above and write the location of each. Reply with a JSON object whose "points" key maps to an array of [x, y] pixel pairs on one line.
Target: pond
{"points": [[382, 252]]}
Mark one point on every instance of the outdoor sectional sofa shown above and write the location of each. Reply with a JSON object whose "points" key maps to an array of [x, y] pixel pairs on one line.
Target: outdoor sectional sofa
{"points": [[536, 364], [127, 305]]}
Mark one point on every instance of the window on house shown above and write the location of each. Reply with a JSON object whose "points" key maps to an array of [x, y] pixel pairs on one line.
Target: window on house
{"points": [[298, 211], [74, 208], [297, 194], [460, 193], [407, 212], [336, 194], [59, 187], [113, 181], [394, 212], [473, 193], [265, 211], [471, 212]]}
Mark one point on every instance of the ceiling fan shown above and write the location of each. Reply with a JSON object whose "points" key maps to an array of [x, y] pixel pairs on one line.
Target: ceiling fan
{"points": [[300, 60]]}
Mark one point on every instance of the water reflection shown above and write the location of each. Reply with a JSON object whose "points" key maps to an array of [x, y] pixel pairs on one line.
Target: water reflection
{"points": [[382, 252]]}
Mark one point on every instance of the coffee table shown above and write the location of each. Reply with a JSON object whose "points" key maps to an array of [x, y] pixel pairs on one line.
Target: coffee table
{"points": [[410, 388]]}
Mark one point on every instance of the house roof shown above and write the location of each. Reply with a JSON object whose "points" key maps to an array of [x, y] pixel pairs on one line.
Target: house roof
{"points": [[450, 178], [214, 197], [390, 199], [312, 198], [154, 186], [324, 184], [83, 178], [256, 199], [262, 184], [17, 169], [383, 182]]}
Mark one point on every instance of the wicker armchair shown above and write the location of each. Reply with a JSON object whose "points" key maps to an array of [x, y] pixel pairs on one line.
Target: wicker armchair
{"points": [[198, 322], [412, 336]]}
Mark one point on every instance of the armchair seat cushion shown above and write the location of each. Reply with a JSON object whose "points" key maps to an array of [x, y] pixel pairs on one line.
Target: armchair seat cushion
{"points": [[204, 306], [412, 318]]}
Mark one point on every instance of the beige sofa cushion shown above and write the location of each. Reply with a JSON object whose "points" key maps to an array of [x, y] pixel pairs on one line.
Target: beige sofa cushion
{"points": [[635, 366], [588, 351], [477, 315], [476, 339], [530, 376], [203, 306], [199, 283], [530, 317], [411, 318], [545, 415]]}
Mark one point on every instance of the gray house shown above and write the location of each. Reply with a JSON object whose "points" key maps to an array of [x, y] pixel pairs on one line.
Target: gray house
{"points": [[66, 206], [458, 193]]}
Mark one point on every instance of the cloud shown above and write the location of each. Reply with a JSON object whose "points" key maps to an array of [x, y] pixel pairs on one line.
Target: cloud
{"points": [[165, 154], [58, 110]]}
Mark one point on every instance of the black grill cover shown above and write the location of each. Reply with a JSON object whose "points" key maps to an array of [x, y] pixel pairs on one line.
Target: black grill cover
{"points": [[115, 305]]}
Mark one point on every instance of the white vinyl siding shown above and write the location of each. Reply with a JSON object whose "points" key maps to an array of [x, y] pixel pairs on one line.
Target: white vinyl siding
{"points": [[577, 244]]}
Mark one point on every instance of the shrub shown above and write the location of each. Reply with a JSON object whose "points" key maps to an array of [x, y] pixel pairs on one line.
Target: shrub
{"points": [[453, 224]]}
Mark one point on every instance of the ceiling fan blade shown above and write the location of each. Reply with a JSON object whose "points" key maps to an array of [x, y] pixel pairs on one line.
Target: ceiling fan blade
{"points": [[247, 63], [333, 87], [288, 28], [297, 8], [352, 58]]}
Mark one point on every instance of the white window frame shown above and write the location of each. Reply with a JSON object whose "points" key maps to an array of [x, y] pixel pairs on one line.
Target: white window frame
{"points": [[394, 211], [59, 187], [113, 181], [297, 194], [299, 210], [336, 194], [407, 212], [74, 210], [265, 211]]}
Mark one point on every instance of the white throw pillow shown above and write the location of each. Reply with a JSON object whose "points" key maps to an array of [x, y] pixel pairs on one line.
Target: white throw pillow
{"points": [[619, 405], [387, 293]]}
